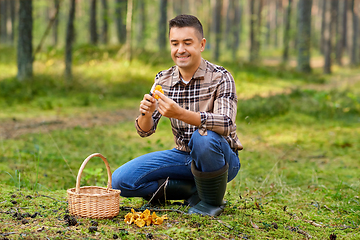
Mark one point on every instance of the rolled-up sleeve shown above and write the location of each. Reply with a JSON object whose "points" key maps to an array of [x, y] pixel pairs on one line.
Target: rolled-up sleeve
{"points": [[156, 117]]}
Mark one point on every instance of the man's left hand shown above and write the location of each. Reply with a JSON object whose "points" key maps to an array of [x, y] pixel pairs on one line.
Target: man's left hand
{"points": [[168, 107]]}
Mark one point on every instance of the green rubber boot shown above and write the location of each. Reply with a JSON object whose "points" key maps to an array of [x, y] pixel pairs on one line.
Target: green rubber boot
{"points": [[211, 188], [176, 190]]}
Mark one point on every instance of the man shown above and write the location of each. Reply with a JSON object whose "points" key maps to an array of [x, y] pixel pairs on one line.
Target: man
{"points": [[200, 101]]}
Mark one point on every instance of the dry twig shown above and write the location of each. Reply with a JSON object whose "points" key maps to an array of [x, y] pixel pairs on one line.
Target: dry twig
{"points": [[298, 230], [313, 223], [328, 208]]}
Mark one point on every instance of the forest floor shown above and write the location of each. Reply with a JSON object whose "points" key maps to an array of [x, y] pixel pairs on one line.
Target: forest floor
{"points": [[299, 169]]}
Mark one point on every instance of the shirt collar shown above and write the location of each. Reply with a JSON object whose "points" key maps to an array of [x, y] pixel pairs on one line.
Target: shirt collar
{"points": [[199, 73]]}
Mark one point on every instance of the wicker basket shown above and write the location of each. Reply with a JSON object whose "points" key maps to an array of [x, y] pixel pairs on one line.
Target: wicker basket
{"points": [[93, 201]]}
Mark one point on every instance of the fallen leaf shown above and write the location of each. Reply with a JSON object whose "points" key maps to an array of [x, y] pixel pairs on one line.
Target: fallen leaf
{"points": [[254, 225]]}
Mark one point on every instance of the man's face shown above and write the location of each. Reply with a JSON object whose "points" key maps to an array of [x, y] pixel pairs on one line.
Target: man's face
{"points": [[186, 47]]}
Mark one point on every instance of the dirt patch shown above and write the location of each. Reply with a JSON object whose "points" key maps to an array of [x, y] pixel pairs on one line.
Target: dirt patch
{"points": [[14, 128]]}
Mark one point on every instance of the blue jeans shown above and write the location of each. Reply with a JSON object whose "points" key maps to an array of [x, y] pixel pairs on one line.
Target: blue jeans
{"points": [[139, 177]]}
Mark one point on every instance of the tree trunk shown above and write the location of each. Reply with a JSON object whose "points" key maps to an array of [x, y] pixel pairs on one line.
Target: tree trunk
{"points": [[278, 8], [162, 25], [56, 23], [105, 19], [236, 28], [259, 22], [24, 48], [286, 41], [331, 17], [229, 21], [355, 20], [3, 20], [255, 25], [268, 24], [323, 12], [12, 17], [304, 35], [128, 30], [344, 23], [69, 40], [142, 24], [252, 30], [340, 32], [217, 29], [92, 26], [120, 13]]}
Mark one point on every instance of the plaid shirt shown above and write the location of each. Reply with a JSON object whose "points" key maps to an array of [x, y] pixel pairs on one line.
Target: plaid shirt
{"points": [[211, 91]]}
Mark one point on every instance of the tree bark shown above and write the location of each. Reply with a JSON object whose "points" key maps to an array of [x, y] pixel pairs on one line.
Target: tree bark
{"points": [[323, 12], [255, 27], [120, 13], [252, 30], [69, 40], [12, 17], [278, 8], [3, 20], [331, 17], [229, 23], [268, 24], [24, 48], [93, 23], [304, 35], [237, 26], [286, 38], [142, 24], [354, 48], [340, 31], [128, 30], [217, 29], [56, 23], [162, 25], [344, 23], [105, 19]]}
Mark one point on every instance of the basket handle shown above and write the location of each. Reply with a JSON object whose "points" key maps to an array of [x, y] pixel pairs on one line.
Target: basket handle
{"points": [[83, 166]]}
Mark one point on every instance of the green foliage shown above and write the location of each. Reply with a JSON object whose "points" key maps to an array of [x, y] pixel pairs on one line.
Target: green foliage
{"points": [[318, 104], [263, 107], [260, 72]]}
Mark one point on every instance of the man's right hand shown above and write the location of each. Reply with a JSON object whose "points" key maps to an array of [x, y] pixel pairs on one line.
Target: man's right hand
{"points": [[147, 105]]}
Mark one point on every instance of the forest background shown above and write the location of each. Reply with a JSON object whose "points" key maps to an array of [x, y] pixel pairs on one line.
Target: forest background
{"points": [[72, 73]]}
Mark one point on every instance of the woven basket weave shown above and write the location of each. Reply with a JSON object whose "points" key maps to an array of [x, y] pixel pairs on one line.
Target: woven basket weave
{"points": [[93, 201]]}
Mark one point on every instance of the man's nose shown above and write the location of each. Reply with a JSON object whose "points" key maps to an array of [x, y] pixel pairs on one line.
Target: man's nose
{"points": [[181, 48]]}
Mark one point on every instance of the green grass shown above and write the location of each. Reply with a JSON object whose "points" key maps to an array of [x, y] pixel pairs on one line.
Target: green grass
{"points": [[299, 168]]}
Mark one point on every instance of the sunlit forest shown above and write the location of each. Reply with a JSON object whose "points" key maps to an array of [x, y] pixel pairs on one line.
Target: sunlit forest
{"points": [[73, 73]]}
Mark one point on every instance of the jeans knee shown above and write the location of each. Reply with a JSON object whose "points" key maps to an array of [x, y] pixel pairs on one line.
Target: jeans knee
{"points": [[118, 180], [201, 146]]}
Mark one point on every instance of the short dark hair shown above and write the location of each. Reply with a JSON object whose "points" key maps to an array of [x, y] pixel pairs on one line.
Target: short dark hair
{"points": [[185, 20]]}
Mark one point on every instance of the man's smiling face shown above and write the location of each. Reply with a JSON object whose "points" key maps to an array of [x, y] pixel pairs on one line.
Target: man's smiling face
{"points": [[186, 47]]}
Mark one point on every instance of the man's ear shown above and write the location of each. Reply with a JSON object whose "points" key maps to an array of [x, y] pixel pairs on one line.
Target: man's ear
{"points": [[202, 44]]}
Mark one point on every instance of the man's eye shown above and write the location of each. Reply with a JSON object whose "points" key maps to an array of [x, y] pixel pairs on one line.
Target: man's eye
{"points": [[174, 44], [188, 43]]}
